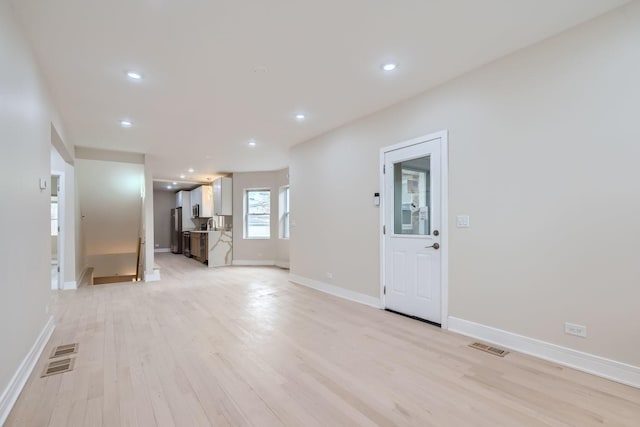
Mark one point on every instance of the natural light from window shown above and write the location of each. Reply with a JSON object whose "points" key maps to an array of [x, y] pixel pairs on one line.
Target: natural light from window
{"points": [[284, 212], [257, 219]]}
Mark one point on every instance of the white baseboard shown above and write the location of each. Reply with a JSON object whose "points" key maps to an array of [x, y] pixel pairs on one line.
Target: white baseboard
{"points": [[335, 291], [596, 365], [152, 276], [156, 250], [14, 388], [282, 264], [257, 262], [70, 285]]}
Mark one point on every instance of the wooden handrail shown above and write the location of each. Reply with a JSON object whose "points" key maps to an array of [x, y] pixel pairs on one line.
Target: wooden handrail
{"points": [[138, 259]]}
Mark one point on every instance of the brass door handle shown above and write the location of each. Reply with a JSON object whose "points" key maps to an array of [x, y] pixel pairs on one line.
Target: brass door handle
{"points": [[434, 246]]}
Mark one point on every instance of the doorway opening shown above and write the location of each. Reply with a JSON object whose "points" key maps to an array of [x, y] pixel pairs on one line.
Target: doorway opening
{"points": [[56, 251]]}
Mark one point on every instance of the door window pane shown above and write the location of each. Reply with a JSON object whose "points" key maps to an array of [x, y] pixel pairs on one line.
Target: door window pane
{"points": [[412, 196], [54, 216]]}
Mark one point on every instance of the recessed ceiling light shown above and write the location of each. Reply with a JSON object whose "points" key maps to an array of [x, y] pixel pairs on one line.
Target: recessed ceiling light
{"points": [[300, 116], [183, 176], [126, 123], [389, 66], [168, 187], [175, 183], [252, 143], [134, 75], [191, 170]]}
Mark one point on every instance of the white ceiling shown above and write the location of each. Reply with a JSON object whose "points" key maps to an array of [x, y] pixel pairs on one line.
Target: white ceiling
{"points": [[201, 98]]}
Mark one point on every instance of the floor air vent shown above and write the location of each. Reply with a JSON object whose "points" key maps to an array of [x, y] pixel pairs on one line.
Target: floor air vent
{"points": [[489, 349], [64, 350], [58, 367]]}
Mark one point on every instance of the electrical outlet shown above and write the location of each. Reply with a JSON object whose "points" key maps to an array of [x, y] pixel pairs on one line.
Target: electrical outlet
{"points": [[329, 275], [577, 330]]}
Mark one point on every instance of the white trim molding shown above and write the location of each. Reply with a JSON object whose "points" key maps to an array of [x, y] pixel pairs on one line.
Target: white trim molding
{"points": [[282, 264], [152, 276], [335, 291], [69, 286], [251, 262], [14, 388], [589, 363]]}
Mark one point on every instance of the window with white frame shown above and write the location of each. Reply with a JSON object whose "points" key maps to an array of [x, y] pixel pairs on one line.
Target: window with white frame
{"points": [[257, 214], [284, 212]]}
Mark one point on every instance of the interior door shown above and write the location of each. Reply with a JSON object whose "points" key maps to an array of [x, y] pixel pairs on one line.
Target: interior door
{"points": [[412, 219]]}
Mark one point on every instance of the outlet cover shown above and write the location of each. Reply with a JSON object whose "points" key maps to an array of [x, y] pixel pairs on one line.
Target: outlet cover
{"points": [[574, 329]]}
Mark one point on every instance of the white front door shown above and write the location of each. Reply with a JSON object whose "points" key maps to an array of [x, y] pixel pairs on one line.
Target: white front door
{"points": [[412, 218]]}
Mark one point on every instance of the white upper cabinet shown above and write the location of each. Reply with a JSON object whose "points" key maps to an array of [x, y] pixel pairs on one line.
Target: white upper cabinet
{"points": [[202, 202], [222, 196], [182, 199]]}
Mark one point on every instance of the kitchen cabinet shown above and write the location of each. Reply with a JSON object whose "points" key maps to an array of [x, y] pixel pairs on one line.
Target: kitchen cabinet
{"points": [[202, 202], [195, 245], [213, 248], [200, 246], [222, 196]]}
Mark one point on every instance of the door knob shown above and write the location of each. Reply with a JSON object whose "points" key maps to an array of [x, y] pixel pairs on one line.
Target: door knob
{"points": [[434, 246]]}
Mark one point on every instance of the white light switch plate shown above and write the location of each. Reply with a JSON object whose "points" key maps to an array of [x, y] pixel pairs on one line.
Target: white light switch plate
{"points": [[462, 221]]}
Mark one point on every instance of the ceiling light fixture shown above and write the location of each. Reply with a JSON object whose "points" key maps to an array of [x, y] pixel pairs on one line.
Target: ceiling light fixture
{"points": [[175, 183], [191, 170], [252, 143], [126, 123], [168, 187], [300, 116], [183, 176], [389, 66], [134, 75]]}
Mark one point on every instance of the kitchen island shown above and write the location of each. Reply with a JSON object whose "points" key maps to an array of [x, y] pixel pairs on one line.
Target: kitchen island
{"points": [[214, 247]]}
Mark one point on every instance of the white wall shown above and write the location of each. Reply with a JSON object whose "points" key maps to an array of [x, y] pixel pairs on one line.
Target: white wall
{"points": [[111, 209], [26, 114], [163, 202], [282, 245], [543, 157], [267, 251]]}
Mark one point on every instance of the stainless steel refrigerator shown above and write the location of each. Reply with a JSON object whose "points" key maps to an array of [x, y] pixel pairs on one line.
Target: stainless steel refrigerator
{"points": [[176, 230]]}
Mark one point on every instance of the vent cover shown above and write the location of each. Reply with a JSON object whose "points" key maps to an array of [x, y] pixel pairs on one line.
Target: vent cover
{"points": [[64, 350], [489, 349], [58, 367]]}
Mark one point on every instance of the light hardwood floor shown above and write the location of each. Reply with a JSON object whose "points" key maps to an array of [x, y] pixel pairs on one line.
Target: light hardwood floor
{"points": [[243, 346]]}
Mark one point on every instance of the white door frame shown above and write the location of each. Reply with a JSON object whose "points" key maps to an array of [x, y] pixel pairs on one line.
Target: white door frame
{"points": [[444, 194], [61, 227]]}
